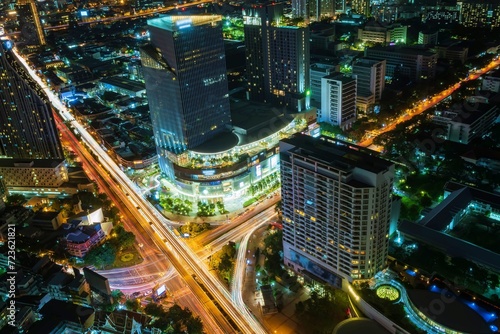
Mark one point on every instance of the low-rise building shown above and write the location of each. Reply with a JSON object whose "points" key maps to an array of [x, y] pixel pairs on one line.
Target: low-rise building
{"points": [[491, 82], [33, 173], [47, 220], [63, 317], [415, 63], [459, 200], [86, 231], [375, 32], [471, 124], [123, 86], [428, 37], [454, 52], [484, 157]]}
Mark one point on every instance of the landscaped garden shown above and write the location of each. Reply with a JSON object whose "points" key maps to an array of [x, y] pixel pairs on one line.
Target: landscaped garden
{"points": [[388, 292]]}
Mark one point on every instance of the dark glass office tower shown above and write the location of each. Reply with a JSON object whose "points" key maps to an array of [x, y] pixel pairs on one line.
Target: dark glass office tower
{"points": [[277, 52], [31, 28], [27, 128], [185, 73]]}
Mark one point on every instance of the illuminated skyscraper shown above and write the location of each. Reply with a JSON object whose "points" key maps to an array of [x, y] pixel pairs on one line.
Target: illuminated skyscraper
{"points": [[314, 9], [336, 208], [321, 8], [184, 69], [480, 13], [361, 7], [277, 53], [31, 28], [27, 128]]}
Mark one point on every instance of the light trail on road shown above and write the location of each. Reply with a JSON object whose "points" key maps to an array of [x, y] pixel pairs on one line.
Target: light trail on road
{"points": [[166, 240], [241, 266], [236, 233], [425, 105], [125, 17]]}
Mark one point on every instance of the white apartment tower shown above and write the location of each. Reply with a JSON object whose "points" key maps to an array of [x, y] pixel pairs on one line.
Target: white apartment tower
{"points": [[336, 209], [338, 100]]}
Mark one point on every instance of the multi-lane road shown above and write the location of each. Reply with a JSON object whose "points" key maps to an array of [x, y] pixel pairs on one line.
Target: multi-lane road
{"points": [[207, 289], [155, 264], [143, 13], [427, 103]]}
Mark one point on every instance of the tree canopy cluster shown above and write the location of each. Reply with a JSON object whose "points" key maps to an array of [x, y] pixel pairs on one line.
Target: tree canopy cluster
{"points": [[175, 320]]}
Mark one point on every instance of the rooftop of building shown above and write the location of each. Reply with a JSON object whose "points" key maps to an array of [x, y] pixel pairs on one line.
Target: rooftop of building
{"points": [[493, 74], [452, 246], [257, 120], [459, 198], [124, 83], [340, 154], [268, 297], [321, 27], [339, 77], [221, 142], [176, 22], [457, 315], [395, 49], [35, 163], [473, 112], [365, 62], [477, 153], [45, 215], [82, 233], [60, 279], [359, 325], [120, 319], [66, 311], [321, 67]]}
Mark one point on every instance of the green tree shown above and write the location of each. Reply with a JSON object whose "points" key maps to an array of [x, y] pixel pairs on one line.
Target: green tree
{"points": [[225, 264], [229, 250], [493, 281], [15, 200], [194, 325], [154, 310], [273, 249], [117, 294], [101, 256], [133, 304], [278, 208], [125, 239]]}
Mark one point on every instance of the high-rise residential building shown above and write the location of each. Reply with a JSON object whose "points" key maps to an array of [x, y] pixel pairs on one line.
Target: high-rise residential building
{"points": [[370, 76], [321, 8], [441, 15], [29, 21], [415, 63], [27, 127], [361, 7], [338, 100], [184, 69], [277, 51], [480, 13], [340, 6], [336, 208]]}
